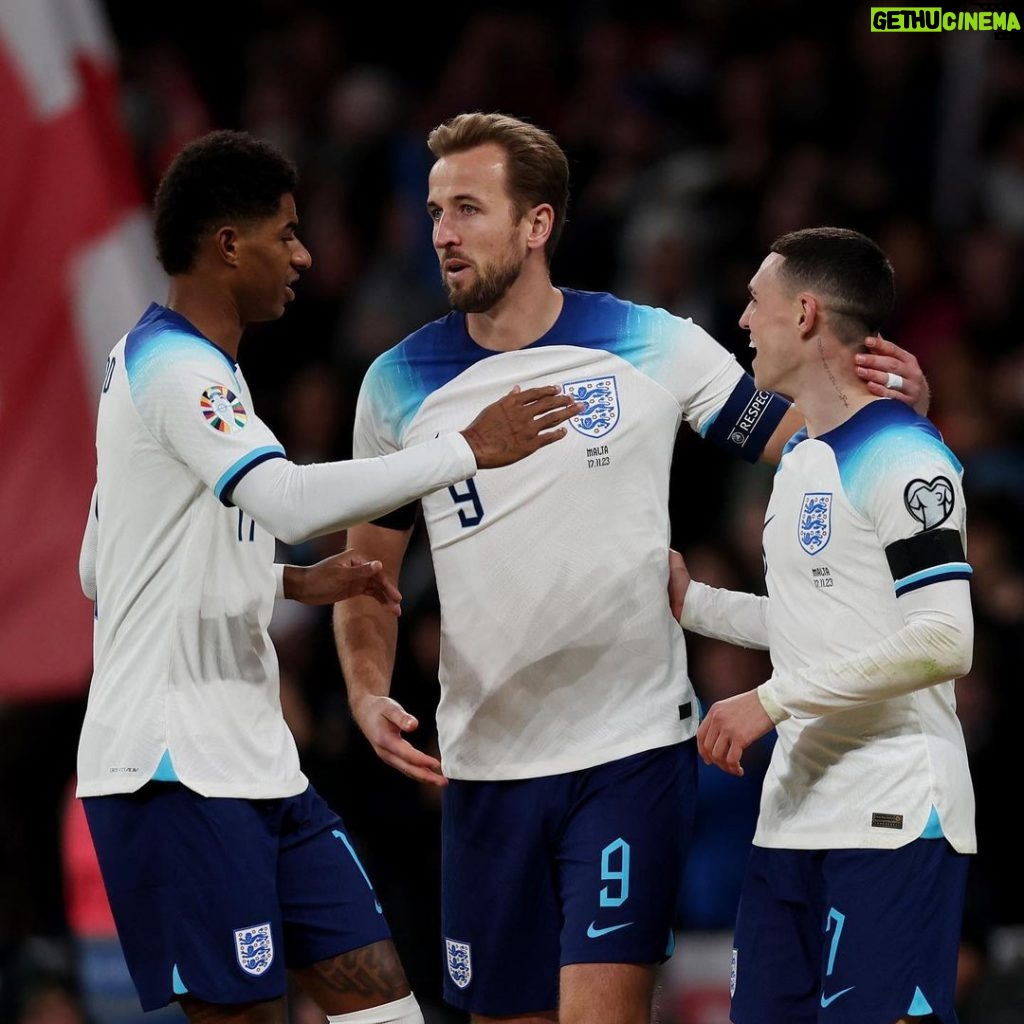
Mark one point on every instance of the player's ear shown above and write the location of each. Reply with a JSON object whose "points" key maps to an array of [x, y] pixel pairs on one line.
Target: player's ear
{"points": [[225, 240], [542, 222], [807, 313]]}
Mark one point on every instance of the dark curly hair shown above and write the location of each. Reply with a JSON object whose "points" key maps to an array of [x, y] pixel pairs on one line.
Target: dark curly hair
{"points": [[222, 177]]}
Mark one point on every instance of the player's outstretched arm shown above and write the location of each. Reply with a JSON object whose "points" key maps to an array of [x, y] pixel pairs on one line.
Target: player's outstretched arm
{"points": [[295, 502], [341, 577], [790, 423], [518, 424], [885, 359], [878, 367]]}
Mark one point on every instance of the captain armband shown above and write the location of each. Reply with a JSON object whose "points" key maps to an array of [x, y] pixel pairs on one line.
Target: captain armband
{"points": [[746, 422]]}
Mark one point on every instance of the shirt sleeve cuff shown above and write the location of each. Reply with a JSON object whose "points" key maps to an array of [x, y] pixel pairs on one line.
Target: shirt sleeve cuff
{"points": [[462, 450], [693, 604], [773, 709], [278, 579]]}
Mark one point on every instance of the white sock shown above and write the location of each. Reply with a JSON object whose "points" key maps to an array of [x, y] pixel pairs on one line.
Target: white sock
{"points": [[401, 1011]]}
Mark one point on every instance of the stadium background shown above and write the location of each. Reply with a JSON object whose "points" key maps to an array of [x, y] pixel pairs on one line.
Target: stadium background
{"points": [[697, 132]]}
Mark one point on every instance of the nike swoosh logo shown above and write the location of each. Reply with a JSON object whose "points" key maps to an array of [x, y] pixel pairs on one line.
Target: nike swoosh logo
{"points": [[767, 521], [828, 1000], [593, 932]]}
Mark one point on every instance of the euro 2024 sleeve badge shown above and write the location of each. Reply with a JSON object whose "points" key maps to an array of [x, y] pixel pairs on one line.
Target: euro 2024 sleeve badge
{"points": [[222, 409]]}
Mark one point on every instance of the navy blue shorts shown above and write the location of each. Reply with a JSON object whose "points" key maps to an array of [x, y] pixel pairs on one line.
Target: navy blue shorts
{"points": [[583, 867], [217, 897], [849, 936]]}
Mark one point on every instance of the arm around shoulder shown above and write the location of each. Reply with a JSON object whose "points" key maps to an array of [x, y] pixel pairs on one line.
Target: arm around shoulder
{"points": [[790, 423]]}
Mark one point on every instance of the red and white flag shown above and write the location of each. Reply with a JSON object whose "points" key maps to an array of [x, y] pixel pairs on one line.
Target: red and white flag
{"points": [[76, 271]]}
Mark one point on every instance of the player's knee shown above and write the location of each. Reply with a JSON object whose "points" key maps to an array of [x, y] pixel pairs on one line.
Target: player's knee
{"points": [[401, 1011]]}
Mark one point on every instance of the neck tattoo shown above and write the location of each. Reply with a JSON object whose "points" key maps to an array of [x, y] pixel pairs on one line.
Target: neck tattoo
{"points": [[832, 377]]}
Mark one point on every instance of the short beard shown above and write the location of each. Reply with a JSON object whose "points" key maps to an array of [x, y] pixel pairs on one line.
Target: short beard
{"points": [[489, 290]]}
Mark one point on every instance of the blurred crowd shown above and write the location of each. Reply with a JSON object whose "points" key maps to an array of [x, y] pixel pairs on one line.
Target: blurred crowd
{"points": [[697, 133]]}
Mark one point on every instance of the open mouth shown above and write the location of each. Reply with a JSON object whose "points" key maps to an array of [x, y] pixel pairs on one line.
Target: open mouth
{"points": [[454, 267]]}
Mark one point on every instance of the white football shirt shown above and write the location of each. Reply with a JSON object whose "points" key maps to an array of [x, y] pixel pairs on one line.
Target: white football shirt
{"points": [[859, 516], [184, 584], [185, 680], [558, 647]]}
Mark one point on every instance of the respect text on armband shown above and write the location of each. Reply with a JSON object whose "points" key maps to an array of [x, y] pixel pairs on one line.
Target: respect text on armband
{"points": [[748, 419]]}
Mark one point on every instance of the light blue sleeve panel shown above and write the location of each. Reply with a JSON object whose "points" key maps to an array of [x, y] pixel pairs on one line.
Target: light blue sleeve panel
{"points": [[189, 396], [715, 396], [388, 398], [158, 342], [898, 473], [673, 351], [703, 378], [689, 363], [400, 379]]}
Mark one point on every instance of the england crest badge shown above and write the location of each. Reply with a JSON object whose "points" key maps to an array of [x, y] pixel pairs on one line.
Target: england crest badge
{"points": [[460, 965], [254, 948], [815, 526], [600, 398]]}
